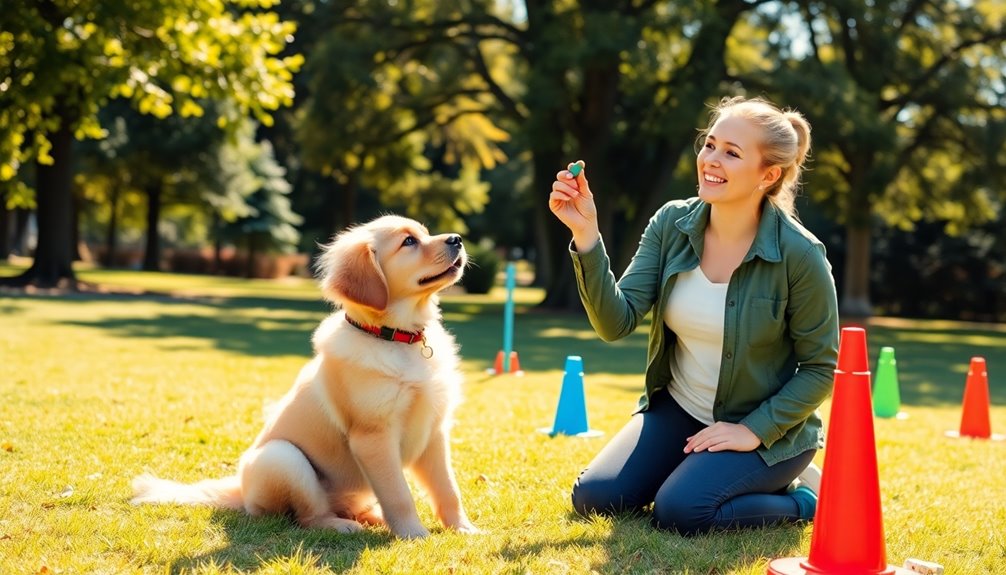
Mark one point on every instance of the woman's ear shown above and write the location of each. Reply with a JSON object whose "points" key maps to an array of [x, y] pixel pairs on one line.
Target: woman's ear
{"points": [[771, 176]]}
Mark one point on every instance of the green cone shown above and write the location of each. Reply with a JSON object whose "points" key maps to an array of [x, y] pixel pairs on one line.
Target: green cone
{"points": [[886, 399]]}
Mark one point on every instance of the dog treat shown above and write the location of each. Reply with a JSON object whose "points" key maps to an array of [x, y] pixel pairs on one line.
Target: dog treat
{"points": [[925, 567], [576, 169]]}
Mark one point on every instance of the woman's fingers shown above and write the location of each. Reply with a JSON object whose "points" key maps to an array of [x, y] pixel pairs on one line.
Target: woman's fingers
{"points": [[722, 436]]}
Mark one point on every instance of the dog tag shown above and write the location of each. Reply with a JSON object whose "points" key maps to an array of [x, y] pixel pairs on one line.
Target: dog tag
{"points": [[426, 351]]}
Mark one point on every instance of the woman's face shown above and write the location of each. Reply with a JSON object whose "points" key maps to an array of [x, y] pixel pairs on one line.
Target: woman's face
{"points": [[730, 163]]}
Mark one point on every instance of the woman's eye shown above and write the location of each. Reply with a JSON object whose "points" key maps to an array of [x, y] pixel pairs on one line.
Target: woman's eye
{"points": [[734, 154], [709, 146], [409, 241]]}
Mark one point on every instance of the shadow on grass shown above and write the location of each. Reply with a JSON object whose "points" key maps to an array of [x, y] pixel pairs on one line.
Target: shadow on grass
{"points": [[635, 546], [542, 340], [231, 324], [255, 542], [932, 357]]}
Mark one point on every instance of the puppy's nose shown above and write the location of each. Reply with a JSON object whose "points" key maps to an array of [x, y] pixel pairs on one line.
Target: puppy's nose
{"points": [[454, 240]]}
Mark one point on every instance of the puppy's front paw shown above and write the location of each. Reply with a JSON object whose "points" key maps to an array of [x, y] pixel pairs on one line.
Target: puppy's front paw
{"points": [[410, 531], [467, 528]]}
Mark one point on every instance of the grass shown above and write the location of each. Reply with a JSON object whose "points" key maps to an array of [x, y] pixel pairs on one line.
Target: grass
{"points": [[97, 388]]}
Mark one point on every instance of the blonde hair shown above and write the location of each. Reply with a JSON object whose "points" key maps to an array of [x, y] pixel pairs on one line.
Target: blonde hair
{"points": [[785, 142]]}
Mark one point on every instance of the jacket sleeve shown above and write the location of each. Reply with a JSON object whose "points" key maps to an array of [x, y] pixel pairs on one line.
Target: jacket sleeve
{"points": [[616, 308], [813, 325]]}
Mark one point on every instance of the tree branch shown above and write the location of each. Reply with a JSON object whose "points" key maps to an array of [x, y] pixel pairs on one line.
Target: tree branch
{"points": [[507, 31], [809, 19], [506, 102], [929, 73]]}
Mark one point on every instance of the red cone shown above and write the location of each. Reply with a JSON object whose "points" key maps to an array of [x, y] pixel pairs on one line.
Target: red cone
{"points": [[975, 419], [514, 362], [848, 537], [498, 365]]}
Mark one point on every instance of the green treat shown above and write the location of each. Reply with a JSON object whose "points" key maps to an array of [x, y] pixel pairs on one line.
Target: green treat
{"points": [[575, 170]]}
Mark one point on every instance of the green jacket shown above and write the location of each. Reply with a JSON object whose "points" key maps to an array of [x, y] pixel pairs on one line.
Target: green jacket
{"points": [[780, 332]]}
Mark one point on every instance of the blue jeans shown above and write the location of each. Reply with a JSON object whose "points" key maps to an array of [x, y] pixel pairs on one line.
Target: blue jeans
{"points": [[691, 493]]}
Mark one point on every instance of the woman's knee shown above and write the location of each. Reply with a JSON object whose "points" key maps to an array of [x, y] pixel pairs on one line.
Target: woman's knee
{"points": [[597, 497], [686, 519]]}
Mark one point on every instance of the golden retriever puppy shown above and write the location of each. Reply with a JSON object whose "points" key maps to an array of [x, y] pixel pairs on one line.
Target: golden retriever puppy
{"points": [[376, 399]]}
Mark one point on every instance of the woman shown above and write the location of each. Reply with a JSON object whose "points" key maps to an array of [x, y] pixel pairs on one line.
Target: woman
{"points": [[744, 336]]}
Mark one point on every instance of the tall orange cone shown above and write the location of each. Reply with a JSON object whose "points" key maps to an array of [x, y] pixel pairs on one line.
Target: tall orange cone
{"points": [[848, 536], [975, 420]]}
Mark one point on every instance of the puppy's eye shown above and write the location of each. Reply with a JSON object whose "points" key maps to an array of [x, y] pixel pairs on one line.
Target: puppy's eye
{"points": [[409, 241]]}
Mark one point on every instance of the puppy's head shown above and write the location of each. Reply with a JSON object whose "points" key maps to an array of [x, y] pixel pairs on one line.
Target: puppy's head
{"points": [[389, 260]]}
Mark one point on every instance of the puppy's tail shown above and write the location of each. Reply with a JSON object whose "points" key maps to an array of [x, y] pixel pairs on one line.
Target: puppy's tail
{"points": [[224, 493]]}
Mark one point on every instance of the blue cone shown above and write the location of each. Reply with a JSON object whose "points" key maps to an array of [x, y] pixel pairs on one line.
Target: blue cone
{"points": [[571, 414]]}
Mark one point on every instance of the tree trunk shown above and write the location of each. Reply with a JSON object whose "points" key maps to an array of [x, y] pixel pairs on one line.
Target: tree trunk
{"points": [[252, 255], [19, 241], [75, 209], [152, 251], [548, 120], [52, 265], [218, 244], [856, 284], [5, 229], [112, 232]]}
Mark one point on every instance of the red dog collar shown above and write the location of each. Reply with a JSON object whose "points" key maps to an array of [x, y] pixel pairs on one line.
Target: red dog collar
{"points": [[389, 333]]}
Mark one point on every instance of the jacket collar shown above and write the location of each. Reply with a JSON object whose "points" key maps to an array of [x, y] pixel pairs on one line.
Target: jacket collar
{"points": [[766, 242]]}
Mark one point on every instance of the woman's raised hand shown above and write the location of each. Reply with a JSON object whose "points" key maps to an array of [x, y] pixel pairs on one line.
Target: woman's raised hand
{"points": [[572, 202]]}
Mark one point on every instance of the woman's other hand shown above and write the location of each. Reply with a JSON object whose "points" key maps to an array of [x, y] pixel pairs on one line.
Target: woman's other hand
{"points": [[723, 436]]}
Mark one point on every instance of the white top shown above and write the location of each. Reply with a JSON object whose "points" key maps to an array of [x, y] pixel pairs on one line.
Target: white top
{"points": [[695, 311]]}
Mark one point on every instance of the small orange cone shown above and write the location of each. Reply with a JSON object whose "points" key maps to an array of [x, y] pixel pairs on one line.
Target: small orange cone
{"points": [[515, 363], [848, 536], [498, 365], [975, 420]]}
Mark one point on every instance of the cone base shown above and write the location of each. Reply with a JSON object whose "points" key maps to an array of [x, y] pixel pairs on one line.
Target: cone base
{"points": [[800, 566], [957, 435], [901, 415], [518, 373], [550, 431]]}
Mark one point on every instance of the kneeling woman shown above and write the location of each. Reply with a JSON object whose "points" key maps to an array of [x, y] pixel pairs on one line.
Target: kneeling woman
{"points": [[744, 335]]}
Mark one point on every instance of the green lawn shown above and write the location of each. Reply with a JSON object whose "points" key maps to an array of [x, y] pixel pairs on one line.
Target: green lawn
{"points": [[98, 388]]}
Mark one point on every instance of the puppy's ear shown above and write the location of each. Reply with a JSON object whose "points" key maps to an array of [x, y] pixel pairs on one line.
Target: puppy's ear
{"points": [[352, 275]]}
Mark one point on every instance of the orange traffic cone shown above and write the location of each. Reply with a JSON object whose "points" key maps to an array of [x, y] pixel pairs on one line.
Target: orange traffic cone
{"points": [[498, 367], [515, 364], [498, 364], [848, 536], [975, 421]]}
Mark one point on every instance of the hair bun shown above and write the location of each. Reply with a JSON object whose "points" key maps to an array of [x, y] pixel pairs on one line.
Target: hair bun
{"points": [[802, 128]]}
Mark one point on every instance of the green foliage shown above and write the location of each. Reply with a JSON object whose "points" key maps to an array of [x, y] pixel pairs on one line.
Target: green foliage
{"points": [[61, 61], [900, 96], [395, 110], [269, 222]]}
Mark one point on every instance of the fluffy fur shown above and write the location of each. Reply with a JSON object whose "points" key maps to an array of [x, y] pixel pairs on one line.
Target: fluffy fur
{"points": [[332, 453]]}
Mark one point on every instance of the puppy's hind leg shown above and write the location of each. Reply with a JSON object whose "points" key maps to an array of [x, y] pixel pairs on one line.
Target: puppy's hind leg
{"points": [[277, 477]]}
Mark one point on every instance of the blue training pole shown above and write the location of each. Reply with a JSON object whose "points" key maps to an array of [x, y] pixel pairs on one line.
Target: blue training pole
{"points": [[511, 281]]}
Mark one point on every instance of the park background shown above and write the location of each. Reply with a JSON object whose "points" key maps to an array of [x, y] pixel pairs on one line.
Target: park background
{"points": [[152, 152]]}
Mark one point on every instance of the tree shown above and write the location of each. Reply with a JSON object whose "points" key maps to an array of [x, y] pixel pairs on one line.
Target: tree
{"points": [[619, 84], [61, 61], [903, 97], [394, 115], [266, 222]]}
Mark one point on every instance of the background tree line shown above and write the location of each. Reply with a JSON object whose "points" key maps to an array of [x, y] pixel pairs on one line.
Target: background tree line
{"points": [[300, 117]]}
